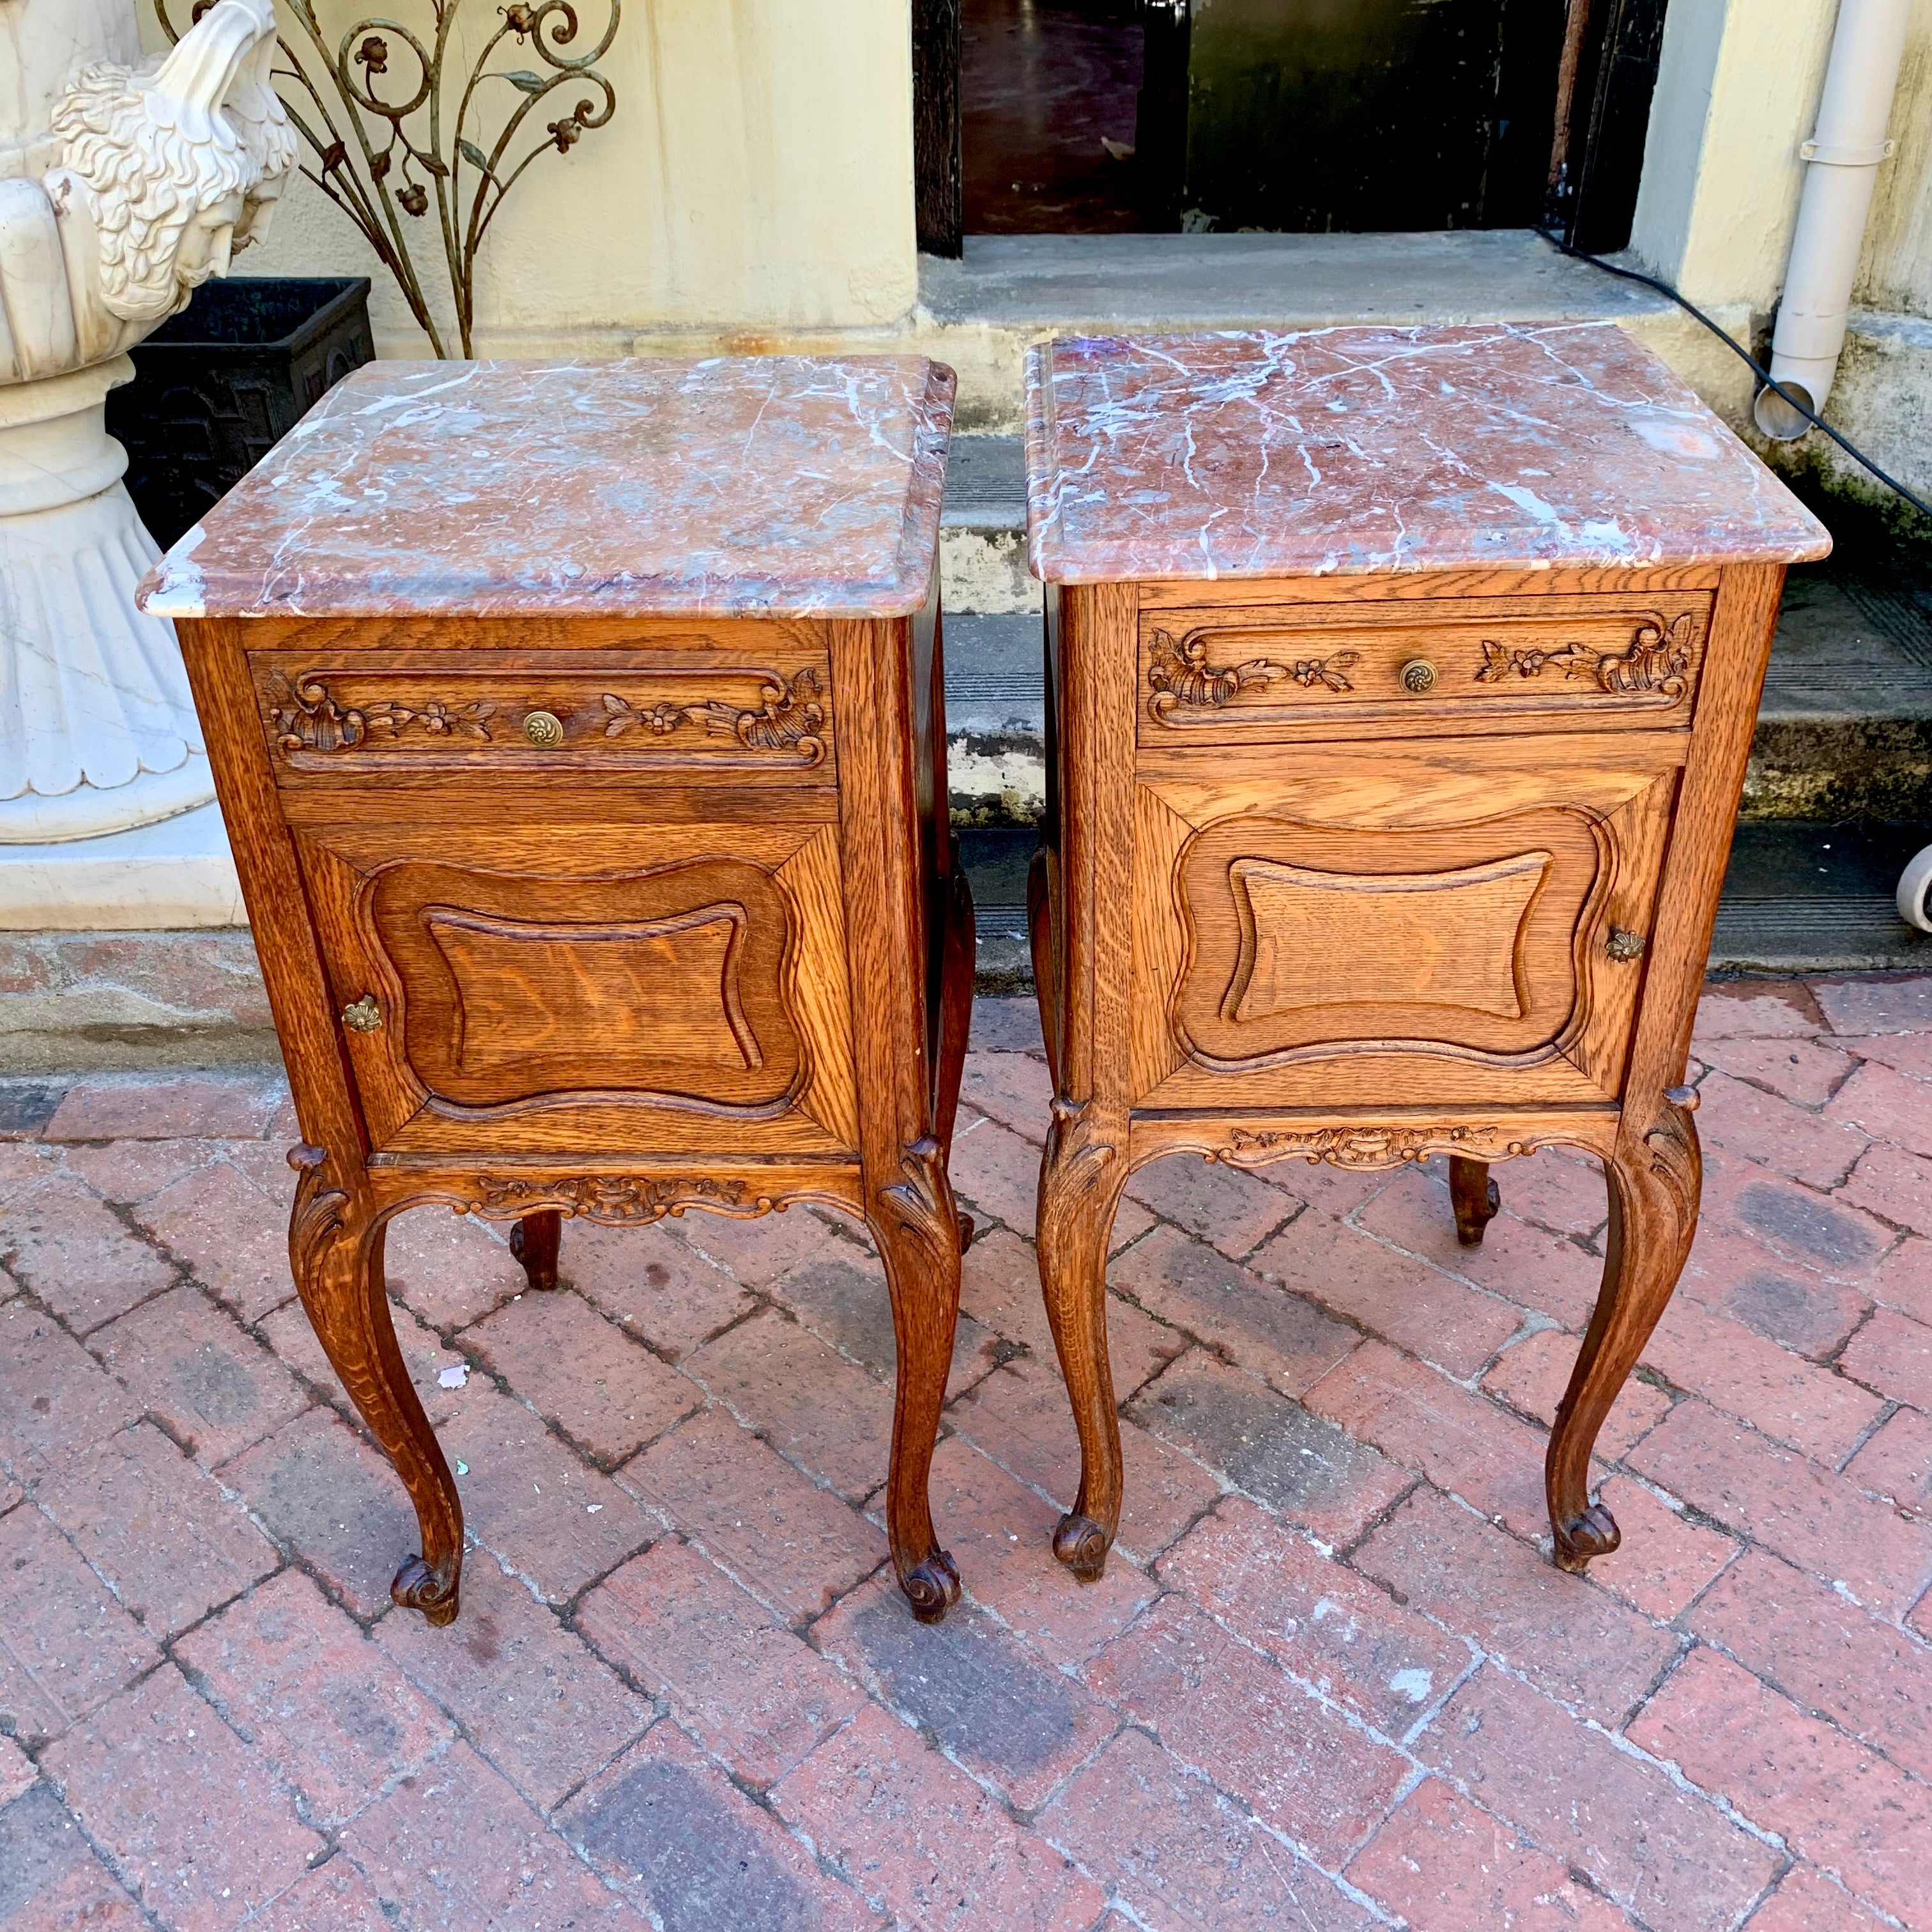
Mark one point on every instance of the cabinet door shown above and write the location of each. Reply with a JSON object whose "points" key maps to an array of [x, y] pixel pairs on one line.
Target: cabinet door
{"points": [[1361, 925], [634, 988]]}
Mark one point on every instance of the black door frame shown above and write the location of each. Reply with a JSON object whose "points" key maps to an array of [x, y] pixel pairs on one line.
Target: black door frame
{"points": [[1604, 83], [938, 198]]}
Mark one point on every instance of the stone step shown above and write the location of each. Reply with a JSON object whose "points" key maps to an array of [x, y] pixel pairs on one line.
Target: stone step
{"points": [[1844, 731], [1808, 898]]}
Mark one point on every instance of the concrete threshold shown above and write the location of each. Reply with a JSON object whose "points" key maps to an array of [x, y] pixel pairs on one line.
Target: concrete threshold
{"points": [[980, 312]]}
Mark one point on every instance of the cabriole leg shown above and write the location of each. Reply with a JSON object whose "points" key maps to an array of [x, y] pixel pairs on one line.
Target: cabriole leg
{"points": [[534, 1240], [1474, 1197], [1080, 1183], [915, 1225], [1655, 1180], [335, 1251]]}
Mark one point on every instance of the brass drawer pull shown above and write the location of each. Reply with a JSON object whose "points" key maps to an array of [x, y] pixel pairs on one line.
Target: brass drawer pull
{"points": [[1418, 675], [364, 1015], [544, 730], [1623, 944]]}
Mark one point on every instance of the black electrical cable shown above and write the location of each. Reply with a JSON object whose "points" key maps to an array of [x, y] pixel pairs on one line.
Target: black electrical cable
{"points": [[1743, 355]]}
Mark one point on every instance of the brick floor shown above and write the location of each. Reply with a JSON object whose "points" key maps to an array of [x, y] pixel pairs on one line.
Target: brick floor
{"points": [[1329, 1679]]}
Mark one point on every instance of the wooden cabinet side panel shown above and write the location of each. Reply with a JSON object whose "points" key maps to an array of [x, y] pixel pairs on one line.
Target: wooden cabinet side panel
{"points": [[1636, 837], [271, 887], [390, 1094], [1742, 626], [1099, 631], [878, 794]]}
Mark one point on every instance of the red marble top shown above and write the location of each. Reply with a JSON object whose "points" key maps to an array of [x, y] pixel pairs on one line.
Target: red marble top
{"points": [[786, 485], [1353, 450]]}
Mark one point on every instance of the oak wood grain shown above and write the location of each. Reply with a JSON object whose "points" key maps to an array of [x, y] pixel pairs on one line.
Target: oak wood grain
{"points": [[688, 710], [573, 920], [1447, 667], [1363, 929], [1235, 594]]}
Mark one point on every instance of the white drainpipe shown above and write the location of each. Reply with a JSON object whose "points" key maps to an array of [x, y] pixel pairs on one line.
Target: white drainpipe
{"points": [[1843, 155]]}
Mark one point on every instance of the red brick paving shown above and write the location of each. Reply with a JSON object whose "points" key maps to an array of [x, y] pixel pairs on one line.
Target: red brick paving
{"points": [[1838, 1805], [1018, 1416], [1329, 1679], [1443, 1862], [529, 1693], [299, 1680], [759, 1697], [17, 1772], [195, 1369], [917, 1837], [165, 1536], [69, 1646], [604, 1390], [196, 1821]]}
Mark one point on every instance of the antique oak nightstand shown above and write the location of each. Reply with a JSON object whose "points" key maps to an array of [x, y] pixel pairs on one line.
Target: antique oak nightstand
{"points": [[1399, 686], [579, 731]]}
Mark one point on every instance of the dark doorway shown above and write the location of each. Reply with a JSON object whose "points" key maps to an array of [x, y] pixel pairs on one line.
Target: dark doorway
{"points": [[1047, 95], [1106, 116]]}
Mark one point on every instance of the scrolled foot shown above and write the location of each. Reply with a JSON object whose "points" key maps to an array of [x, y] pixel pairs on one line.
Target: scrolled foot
{"points": [[1594, 1533], [933, 1588], [1081, 1544], [436, 1593], [966, 1230]]}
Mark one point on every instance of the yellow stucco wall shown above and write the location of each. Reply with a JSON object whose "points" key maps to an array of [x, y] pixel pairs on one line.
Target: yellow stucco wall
{"points": [[1737, 92], [757, 177], [1897, 270]]}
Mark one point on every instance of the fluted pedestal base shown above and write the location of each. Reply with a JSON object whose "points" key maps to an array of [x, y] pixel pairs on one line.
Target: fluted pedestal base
{"points": [[98, 729]]}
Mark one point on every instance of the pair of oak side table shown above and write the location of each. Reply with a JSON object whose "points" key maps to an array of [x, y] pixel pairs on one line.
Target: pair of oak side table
{"points": [[580, 731]]}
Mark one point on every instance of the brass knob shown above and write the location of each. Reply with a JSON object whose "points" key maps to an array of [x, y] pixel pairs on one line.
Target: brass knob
{"points": [[1623, 944], [364, 1015], [1418, 674], [544, 730]]}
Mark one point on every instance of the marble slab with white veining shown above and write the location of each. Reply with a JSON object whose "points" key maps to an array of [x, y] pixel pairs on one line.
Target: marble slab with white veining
{"points": [[1249, 454], [755, 485]]}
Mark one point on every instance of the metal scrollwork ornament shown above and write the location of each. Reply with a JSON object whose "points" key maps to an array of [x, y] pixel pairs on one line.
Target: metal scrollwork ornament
{"points": [[396, 124]]}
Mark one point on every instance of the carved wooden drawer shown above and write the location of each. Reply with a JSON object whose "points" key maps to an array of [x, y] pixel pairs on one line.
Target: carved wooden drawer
{"points": [[1383, 669], [1397, 927], [762, 711], [632, 988]]}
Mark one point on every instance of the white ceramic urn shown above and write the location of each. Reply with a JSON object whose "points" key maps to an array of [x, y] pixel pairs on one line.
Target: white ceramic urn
{"points": [[123, 187]]}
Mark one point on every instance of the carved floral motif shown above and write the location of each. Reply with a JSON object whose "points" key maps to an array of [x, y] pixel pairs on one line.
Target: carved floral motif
{"points": [[309, 717], [1182, 677], [623, 1199], [1363, 1146], [790, 717], [1657, 661]]}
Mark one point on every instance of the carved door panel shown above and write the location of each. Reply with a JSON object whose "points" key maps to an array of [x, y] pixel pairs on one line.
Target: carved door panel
{"points": [[653, 989], [1382, 928]]}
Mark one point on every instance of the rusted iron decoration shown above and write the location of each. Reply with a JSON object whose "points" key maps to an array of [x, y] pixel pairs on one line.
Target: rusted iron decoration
{"points": [[374, 116]]}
